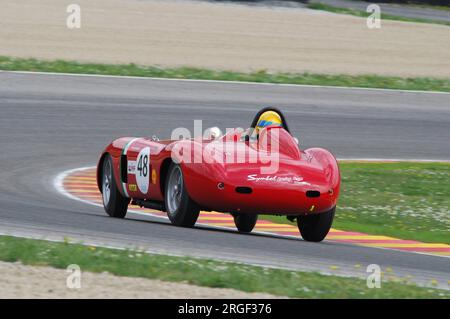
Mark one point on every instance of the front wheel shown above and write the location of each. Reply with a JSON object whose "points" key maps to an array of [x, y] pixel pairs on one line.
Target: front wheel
{"points": [[114, 203], [245, 222], [315, 227], [181, 209]]}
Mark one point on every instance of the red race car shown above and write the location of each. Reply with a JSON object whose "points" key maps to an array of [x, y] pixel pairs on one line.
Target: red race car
{"points": [[260, 170]]}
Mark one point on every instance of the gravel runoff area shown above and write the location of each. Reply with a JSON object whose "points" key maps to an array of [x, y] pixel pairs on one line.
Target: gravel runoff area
{"points": [[22, 281], [222, 36]]}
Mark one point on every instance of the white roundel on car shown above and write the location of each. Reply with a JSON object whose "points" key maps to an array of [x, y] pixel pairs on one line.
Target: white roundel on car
{"points": [[143, 170]]}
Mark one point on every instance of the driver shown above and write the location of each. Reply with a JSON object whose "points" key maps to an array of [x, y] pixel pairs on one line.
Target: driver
{"points": [[268, 118], [264, 118]]}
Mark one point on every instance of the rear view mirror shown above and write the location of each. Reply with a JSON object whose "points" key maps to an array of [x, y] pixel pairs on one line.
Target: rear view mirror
{"points": [[212, 133]]}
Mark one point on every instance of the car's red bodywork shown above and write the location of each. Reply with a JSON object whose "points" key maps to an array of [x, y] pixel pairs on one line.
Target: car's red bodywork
{"points": [[213, 184]]}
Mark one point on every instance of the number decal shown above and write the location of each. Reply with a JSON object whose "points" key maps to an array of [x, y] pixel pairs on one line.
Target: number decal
{"points": [[142, 169], [143, 165]]}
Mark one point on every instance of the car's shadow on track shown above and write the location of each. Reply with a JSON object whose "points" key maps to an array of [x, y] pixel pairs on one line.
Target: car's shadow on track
{"points": [[217, 229], [163, 221]]}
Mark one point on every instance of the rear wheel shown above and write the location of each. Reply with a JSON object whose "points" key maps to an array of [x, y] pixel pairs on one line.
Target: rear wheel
{"points": [[315, 227], [114, 203], [245, 222], [181, 210]]}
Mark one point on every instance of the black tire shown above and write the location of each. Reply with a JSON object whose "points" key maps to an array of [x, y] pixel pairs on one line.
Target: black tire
{"points": [[245, 222], [185, 211], [116, 205], [315, 227]]}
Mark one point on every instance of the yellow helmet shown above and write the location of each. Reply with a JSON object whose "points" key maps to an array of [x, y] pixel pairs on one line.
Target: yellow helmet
{"points": [[268, 118]]}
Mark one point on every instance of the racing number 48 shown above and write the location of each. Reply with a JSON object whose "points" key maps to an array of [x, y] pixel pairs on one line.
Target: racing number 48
{"points": [[142, 166]]}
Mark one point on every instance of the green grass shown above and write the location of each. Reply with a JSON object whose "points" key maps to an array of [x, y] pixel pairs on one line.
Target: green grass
{"points": [[203, 272], [364, 14], [403, 200], [263, 76]]}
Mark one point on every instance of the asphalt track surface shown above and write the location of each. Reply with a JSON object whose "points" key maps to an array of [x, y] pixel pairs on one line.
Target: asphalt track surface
{"points": [[52, 123], [407, 11], [395, 9]]}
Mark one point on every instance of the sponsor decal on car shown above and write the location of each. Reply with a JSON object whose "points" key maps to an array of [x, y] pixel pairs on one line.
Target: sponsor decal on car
{"points": [[153, 176], [132, 187], [297, 180], [131, 167]]}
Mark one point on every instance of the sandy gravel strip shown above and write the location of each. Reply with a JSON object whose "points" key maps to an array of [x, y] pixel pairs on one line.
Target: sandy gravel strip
{"points": [[222, 36], [23, 281]]}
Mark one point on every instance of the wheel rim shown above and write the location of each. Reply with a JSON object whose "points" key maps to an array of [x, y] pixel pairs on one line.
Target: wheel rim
{"points": [[174, 190], [106, 187]]}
